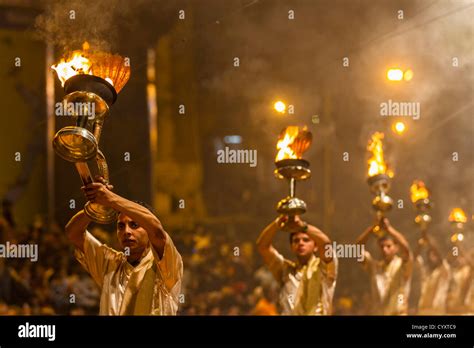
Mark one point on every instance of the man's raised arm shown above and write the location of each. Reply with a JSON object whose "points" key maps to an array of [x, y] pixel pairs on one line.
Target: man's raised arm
{"points": [[76, 228], [264, 241], [144, 218], [404, 246], [100, 192], [364, 236]]}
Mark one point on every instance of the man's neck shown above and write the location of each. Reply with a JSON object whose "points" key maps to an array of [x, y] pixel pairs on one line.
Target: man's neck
{"points": [[135, 260], [303, 261], [388, 261]]}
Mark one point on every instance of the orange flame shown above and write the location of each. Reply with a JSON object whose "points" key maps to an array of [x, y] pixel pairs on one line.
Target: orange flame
{"points": [[75, 64], [293, 142], [418, 191], [112, 68], [377, 163], [457, 215]]}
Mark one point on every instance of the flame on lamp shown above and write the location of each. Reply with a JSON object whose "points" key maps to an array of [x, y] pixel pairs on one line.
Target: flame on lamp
{"points": [[293, 142], [457, 215], [418, 191], [110, 67], [377, 163], [76, 64]]}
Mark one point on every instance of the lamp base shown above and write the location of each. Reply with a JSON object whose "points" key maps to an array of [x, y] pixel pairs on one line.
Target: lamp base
{"points": [[379, 183], [100, 214], [382, 203], [291, 206]]}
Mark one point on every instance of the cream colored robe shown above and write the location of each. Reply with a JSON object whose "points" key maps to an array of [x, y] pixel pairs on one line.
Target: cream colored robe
{"points": [[390, 285], [305, 290], [434, 288], [150, 288]]}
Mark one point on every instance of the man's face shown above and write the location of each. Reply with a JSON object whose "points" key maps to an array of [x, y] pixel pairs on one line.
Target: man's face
{"points": [[302, 245], [389, 249], [131, 235]]}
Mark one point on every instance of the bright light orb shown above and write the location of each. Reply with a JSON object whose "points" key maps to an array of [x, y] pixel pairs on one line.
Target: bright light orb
{"points": [[399, 127], [280, 106], [395, 74]]}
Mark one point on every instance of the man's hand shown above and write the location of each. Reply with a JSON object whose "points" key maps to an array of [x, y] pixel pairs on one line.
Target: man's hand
{"points": [[292, 224], [385, 224], [99, 192], [281, 221]]}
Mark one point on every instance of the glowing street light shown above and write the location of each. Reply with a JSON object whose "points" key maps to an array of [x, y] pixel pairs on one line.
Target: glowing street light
{"points": [[280, 107], [395, 74], [408, 75], [399, 127]]}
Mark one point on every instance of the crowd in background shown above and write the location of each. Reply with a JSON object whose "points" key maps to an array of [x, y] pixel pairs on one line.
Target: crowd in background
{"points": [[53, 284], [221, 277]]}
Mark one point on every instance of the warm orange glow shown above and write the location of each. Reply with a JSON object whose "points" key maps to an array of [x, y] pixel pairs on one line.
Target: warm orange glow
{"points": [[457, 215], [418, 191], [377, 163], [111, 67], [408, 75], [293, 142]]}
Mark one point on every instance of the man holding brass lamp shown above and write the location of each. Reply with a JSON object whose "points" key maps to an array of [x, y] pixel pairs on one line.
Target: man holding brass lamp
{"points": [[307, 285], [144, 278], [390, 277]]}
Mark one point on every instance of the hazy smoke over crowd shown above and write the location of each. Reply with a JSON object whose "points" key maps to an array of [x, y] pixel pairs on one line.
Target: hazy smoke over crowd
{"points": [[300, 60], [67, 24]]}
